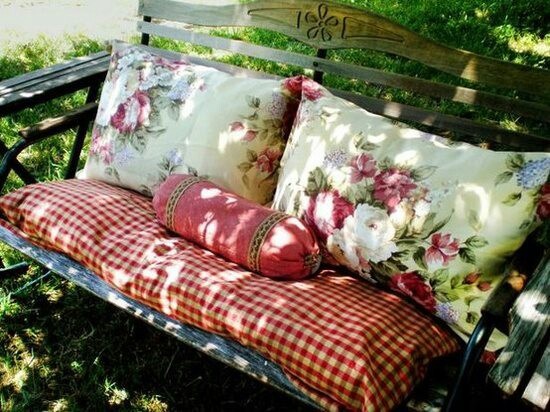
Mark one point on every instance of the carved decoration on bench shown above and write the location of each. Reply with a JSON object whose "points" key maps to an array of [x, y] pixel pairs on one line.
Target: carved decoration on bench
{"points": [[323, 23]]}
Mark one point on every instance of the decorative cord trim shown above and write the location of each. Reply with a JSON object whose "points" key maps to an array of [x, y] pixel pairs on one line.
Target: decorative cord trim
{"points": [[175, 196], [312, 262], [259, 237]]}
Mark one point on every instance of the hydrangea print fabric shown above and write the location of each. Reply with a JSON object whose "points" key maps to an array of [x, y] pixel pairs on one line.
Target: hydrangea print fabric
{"points": [[430, 219], [158, 116]]}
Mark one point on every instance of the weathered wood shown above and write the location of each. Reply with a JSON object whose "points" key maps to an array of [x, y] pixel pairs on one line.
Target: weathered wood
{"points": [[225, 350], [459, 125], [330, 25], [460, 94], [31, 89], [523, 264], [528, 341], [505, 294], [35, 77], [538, 388], [53, 126], [228, 68]]}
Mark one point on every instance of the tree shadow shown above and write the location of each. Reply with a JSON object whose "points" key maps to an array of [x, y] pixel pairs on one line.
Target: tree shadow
{"points": [[79, 353]]}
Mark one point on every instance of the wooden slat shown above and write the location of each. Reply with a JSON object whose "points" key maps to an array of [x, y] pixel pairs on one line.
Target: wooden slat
{"points": [[459, 125], [228, 68], [222, 349], [36, 89], [528, 338], [53, 126], [329, 25], [538, 388], [440, 90], [35, 77]]}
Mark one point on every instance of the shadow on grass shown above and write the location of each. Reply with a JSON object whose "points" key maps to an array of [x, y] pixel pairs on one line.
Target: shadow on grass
{"points": [[63, 349]]}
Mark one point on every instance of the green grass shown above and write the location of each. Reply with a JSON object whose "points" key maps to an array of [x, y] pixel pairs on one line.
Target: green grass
{"points": [[61, 349]]}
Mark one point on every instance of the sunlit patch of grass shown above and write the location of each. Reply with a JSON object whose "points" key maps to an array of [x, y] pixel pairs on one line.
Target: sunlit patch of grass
{"points": [[529, 43], [8, 307], [150, 404], [59, 405], [113, 394]]}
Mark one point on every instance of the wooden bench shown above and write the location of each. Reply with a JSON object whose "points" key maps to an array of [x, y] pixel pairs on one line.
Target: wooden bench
{"points": [[354, 28]]}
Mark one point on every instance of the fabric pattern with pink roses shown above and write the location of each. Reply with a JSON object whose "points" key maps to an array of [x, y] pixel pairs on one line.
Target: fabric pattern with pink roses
{"points": [[138, 88], [408, 209]]}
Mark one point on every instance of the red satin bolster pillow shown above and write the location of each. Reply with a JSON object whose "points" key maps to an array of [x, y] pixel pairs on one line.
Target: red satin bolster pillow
{"points": [[266, 241]]}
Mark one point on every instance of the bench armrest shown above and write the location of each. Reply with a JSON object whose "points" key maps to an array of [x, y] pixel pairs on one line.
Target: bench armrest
{"points": [[40, 131], [523, 367], [36, 87]]}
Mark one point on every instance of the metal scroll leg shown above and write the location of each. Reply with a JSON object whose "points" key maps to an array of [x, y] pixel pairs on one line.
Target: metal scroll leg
{"points": [[473, 352], [14, 270], [80, 136]]}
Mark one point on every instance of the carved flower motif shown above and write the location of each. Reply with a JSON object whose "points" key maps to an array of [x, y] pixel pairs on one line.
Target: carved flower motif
{"points": [[322, 23]]}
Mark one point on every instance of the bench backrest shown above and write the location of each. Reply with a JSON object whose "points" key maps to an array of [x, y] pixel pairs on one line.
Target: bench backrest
{"points": [[326, 26]]}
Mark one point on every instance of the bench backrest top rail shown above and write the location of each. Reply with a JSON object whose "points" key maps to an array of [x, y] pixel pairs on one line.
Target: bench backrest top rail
{"points": [[331, 25]]}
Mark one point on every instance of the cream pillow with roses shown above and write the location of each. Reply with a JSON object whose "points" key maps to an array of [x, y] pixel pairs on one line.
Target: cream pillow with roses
{"points": [[159, 116], [430, 219]]}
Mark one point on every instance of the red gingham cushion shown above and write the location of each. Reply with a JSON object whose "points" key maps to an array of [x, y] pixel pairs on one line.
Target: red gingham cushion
{"points": [[344, 342]]}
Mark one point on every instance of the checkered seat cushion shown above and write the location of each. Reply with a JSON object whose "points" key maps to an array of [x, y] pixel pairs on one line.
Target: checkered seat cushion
{"points": [[341, 340]]}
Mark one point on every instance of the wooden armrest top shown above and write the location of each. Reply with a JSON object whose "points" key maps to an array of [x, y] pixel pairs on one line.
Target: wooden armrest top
{"points": [[38, 86], [522, 267], [523, 367], [52, 126]]}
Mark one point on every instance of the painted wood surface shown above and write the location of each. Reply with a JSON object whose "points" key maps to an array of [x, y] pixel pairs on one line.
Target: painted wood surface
{"points": [[460, 94], [42, 85], [523, 368], [56, 125], [218, 347], [442, 121], [330, 25]]}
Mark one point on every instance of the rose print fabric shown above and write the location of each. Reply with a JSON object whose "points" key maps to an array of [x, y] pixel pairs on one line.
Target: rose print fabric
{"points": [[430, 219], [159, 116]]}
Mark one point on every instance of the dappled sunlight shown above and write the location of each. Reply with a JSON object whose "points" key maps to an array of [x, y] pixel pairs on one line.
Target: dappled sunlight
{"points": [[241, 362], [408, 157], [123, 302], [278, 303], [340, 132], [529, 43], [121, 277], [60, 405], [212, 228], [232, 275], [42, 210], [536, 300], [470, 69], [167, 301], [473, 197], [224, 140], [14, 375], [305, 286]]}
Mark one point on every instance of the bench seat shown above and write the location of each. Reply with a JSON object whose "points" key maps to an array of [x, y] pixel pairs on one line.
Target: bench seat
{"points": [[341, 341]]}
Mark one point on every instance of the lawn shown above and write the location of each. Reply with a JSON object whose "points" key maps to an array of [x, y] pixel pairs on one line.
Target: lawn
{"points": [[61, 349]]}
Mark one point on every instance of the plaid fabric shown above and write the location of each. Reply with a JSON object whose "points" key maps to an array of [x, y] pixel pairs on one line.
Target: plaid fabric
{"points": [[344, 342]]}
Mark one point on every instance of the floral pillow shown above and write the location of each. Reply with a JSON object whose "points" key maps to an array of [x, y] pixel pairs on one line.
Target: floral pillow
{"points": [[159, 116], [431, 219]]}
